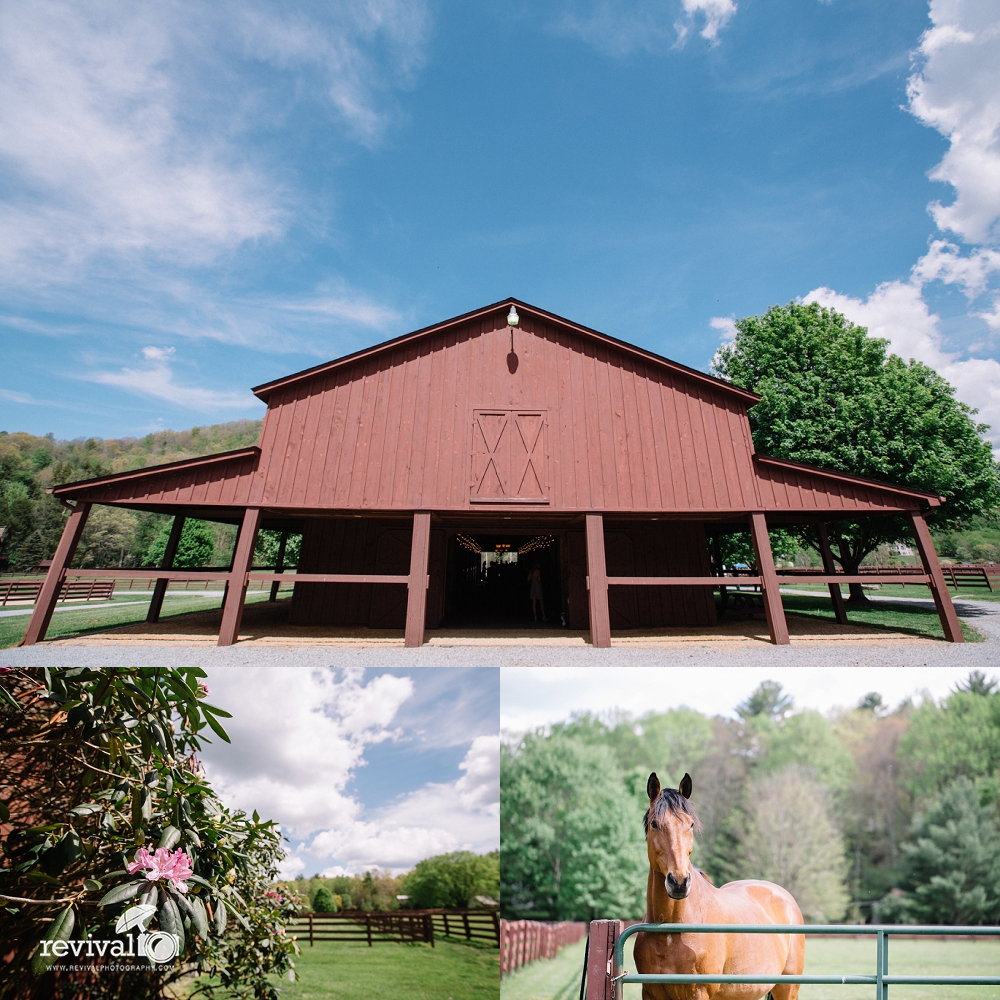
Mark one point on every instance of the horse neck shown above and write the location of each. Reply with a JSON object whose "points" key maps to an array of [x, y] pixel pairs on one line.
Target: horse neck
{"points": [[664, 910]]}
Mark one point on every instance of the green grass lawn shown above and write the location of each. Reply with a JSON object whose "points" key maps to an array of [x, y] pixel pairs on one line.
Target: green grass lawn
{"points": [[560, 978], [79, 622], [912, 619], [451, 970], [912, 590]]}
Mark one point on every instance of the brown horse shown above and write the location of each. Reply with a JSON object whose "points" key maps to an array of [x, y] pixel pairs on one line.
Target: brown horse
{"points": [[676, 892]]}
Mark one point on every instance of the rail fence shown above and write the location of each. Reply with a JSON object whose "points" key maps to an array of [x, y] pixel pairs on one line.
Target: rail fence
{"points": [[603, 968], [525, 941], [376, 926]]}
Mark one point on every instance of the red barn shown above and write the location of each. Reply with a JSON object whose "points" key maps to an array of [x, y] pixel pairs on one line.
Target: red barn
{"points": [[412, 467]]}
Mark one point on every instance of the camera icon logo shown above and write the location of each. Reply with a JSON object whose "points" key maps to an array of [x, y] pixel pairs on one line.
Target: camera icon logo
{"points": [[159, 947]]}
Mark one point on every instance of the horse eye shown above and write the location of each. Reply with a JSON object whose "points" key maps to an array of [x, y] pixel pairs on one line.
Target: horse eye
{"points": [[653, 825]]}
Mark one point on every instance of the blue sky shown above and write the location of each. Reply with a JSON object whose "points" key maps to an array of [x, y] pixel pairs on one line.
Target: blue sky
{"points": [[362, 768], [201, 197]]}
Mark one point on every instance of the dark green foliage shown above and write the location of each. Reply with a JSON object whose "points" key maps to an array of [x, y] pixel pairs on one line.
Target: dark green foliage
{"points": [[100, 763], [951, 873], [323, 901], [194, 549], [766, 700], [834, 397], [453, 880], [34, 520]]}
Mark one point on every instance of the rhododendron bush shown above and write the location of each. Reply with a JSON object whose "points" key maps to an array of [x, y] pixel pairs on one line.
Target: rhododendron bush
{"points": [[104, 808]]}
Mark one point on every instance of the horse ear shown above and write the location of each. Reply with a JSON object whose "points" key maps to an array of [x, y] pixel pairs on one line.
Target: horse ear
{"points": [[653, 786], [685, 786]]}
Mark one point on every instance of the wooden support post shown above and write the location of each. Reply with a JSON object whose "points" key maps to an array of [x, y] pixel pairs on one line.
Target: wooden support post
{"points": [[597, 583], [416, 596], [828, 567], [939, 588], [236, 585], [279, 566], [160, 587], [604, 936], [45, 604], [773, 609]]}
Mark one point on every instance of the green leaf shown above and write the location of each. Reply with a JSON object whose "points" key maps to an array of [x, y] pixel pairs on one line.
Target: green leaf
{"points": [[60, 930], [171, 835], [4, 812], [200, 881], [199, 917], [10, 699], [220, 917], [217, 729], [121, 892], [205, 707], [86, 809], [91, 884], [170, 920]]}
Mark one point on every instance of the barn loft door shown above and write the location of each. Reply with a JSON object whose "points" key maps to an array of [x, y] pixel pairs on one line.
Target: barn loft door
{"points": [[508, 457]]}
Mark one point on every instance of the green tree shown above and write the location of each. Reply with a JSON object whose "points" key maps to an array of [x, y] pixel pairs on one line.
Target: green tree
{"points": [[571, 836], [952, 866], [196, 545], [453, 880], [834, 397], [99, 764], [789, 838], [323, 901], [766, 700]]}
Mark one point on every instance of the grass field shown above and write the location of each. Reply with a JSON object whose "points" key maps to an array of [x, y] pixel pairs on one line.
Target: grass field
{"points": [[451, 970], [560, 978], [913, 590], [913, 619], [131, 608]]}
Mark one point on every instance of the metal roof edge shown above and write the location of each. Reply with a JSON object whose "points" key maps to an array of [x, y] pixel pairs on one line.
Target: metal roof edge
{"points": [[151, 470], [264, 390], [935, 499]]}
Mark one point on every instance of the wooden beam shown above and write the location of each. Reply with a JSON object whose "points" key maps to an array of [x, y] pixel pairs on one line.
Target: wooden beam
{"points": [[236, 585], [597, 583], [601, 943], [49, 594], [279, 565], [416, 596], [828, 567], [773, 609], [160, 587], [950, 624]]}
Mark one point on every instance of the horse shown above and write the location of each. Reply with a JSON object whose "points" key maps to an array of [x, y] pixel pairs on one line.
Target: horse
{"points": [[677, 892]]}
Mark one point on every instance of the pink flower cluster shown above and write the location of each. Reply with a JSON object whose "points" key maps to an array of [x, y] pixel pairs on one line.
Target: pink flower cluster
{"points": [[174, 866]]}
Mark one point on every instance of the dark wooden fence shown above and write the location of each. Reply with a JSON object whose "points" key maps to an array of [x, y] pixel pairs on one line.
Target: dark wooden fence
{"points": [[525, 941], [969, 575], [72, 590], [376, 926]]}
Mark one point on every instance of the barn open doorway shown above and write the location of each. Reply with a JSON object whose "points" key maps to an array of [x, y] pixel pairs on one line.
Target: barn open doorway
{"points": [[489, 580]]}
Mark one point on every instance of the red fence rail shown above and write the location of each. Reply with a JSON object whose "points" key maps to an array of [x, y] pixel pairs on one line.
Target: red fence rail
{"points": [[525, 941]]}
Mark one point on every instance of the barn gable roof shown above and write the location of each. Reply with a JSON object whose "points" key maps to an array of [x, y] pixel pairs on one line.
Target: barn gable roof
{"points": [[524, 309]]}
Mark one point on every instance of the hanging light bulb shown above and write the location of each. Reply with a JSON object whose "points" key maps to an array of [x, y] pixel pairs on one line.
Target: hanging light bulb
{"points": [[512, 317]]}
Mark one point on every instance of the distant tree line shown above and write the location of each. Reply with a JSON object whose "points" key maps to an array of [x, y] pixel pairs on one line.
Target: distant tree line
{"points": [[863, 814], [452, 881], [31, 521]]}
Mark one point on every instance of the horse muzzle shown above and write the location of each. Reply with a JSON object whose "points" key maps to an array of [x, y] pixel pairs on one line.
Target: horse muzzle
{"points": [[675, 889]]}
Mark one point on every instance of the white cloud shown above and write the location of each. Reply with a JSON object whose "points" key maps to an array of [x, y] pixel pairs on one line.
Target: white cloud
{"points": [[957, 92], [124, 128], [435, 819], [726, 326], [156, 380], [618, 27]]}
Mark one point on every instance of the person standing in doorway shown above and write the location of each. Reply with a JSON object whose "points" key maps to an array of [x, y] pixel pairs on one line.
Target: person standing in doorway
{"points": [[535, 592]]}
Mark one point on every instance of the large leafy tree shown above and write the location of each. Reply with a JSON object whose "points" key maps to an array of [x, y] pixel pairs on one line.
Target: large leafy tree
{"points": [[453, 880], [571, 840], [835, 397], [100, 771]]}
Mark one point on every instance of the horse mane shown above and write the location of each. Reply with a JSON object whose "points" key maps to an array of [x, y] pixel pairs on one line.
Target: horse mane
{"points": [[669, 801]]}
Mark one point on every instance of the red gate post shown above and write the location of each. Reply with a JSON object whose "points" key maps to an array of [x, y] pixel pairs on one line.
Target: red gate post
{"points": [[830, 568], [416, 592], [279, 566], [236, 585], [770, 591], [939, 588], [597, 583], [45, 603], [604, 935], [160, 587]]}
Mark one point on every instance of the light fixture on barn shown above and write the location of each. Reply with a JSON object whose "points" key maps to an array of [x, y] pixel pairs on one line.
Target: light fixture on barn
{"points": [[512, 320]]}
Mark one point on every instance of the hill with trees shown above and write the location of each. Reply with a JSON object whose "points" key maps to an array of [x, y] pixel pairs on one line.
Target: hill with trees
{"points": [[861, 813]]}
